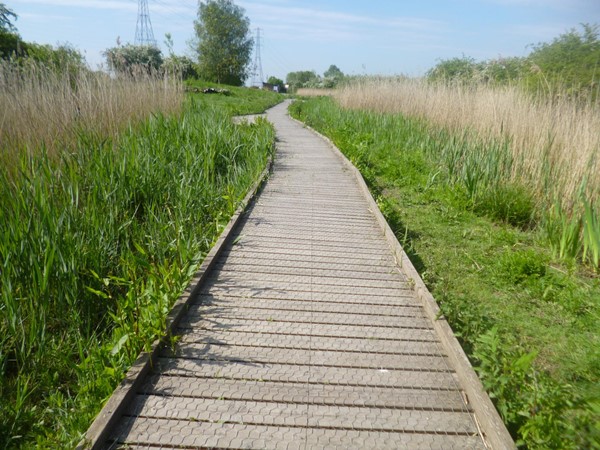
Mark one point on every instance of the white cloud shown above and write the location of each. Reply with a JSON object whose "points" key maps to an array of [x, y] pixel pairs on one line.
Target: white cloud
{"points": [[295, 23]]}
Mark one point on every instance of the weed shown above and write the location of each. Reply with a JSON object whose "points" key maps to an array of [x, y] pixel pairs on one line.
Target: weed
{"points": [[510, 203], [520, 266], [530, 402]]}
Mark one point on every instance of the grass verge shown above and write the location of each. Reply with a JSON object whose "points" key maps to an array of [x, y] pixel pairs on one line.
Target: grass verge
{"points": [[96, 245], [234, 100], [527, 321]]}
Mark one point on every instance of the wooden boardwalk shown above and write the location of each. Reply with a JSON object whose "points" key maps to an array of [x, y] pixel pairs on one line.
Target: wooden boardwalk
{"points": [[306, 334]]}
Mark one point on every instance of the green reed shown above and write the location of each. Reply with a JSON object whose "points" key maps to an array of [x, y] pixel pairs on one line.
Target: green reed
{"points": [[94, 248]]}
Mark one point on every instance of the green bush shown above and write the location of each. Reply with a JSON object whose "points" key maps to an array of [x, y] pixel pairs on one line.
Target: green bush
{"points": [[535, 407], [134, 59], [509, 203]]}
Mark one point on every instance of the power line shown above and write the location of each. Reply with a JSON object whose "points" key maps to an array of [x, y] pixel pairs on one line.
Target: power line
{"points": [[173, 12], [275, 58]]}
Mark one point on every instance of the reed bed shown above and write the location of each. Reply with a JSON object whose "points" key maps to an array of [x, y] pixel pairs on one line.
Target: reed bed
{"points": [[315, 92], [554, 143], [45, 108], [492, 138], [100, 235]]}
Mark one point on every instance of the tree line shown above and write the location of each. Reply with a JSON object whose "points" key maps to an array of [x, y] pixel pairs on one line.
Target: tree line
{"points": [[331, 78], [222, 47], [569, 65], [12, 47]]}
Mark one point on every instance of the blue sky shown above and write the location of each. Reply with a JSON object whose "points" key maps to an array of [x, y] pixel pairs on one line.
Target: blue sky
{"points": [[374, 37]]}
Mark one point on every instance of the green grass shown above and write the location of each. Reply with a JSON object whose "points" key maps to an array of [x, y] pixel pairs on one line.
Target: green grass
{"points": [[96, 246], [237, 100], [527, 319]]}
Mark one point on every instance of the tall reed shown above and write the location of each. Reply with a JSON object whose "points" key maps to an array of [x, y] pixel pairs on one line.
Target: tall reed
{"points": [[45, 108], [314, 92], [556, 141], [503, 136], [100, 234]]}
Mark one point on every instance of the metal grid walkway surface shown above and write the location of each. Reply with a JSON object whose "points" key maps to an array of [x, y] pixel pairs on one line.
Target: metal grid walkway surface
{"points": [[306, 334]]}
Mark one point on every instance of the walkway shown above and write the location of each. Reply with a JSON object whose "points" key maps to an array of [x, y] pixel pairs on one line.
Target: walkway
{"points": [[307, 335]]}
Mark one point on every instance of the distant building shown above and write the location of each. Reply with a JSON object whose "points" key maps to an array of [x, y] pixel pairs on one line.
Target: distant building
{"points": [[274, 87]]}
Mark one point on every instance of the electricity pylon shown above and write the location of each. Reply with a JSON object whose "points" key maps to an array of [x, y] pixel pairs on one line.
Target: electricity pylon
{"points": [[257, 70], [143, 29]]}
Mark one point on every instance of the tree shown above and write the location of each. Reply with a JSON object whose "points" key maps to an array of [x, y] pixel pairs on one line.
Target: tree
{"points": [[11, 44], [332, 76], [569, 65], [303, 78], [224, 44], [462, 70], [5, 19], [333, 72], [10, 41], [570, 62], [61, 58], [133, 59], [180, 66], [277, 84], [503, 71], [275, 81]]}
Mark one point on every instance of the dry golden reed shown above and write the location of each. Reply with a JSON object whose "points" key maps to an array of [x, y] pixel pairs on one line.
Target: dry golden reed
{"points": [[315, 92], [555, 143], [40, 107]]}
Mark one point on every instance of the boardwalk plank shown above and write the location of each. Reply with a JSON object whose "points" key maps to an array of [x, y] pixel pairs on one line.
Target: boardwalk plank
{"points": [[306, 334]]}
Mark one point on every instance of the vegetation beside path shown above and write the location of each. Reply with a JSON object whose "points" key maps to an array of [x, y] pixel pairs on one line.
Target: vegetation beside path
{"points": [[101, 232], [526, 314]]}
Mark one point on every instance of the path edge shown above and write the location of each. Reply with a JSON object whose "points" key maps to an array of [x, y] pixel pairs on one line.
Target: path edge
{"points": [[107, 418], [493, 430]]}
